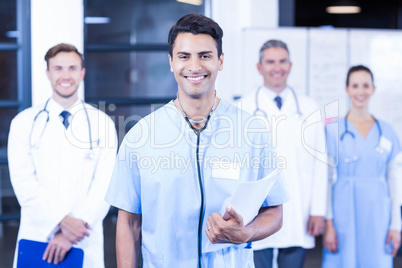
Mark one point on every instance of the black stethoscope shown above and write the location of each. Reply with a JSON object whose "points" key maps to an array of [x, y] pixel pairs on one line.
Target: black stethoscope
{"points": [[200, 180], [200, 183], [379, 148], [90, 155], [258, 110]]}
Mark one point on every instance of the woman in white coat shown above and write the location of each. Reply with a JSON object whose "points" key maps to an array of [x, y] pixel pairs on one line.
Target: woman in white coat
{"points": [[60, 169]]}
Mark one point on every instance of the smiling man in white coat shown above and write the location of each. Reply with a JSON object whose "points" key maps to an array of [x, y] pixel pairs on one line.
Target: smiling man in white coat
{"points": [[306, 176], [61, 157]]}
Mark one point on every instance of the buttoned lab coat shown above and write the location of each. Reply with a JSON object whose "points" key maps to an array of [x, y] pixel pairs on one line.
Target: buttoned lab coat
{"points": [[300, 144], [53, 174], [156, 175]]}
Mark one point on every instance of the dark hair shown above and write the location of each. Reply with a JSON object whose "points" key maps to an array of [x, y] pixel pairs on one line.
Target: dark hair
{"points": [[358, 68], [53, 51], [270, 44], [196, 24]]}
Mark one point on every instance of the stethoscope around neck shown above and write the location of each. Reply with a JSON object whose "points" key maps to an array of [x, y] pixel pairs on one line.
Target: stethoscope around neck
{"points": [[259, 111], [198, 131], [354, 158], [90, 155]]}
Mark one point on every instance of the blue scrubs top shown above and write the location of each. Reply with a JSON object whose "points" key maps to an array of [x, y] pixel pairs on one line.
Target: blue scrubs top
{"points": [[360, 196], [156, 175]]}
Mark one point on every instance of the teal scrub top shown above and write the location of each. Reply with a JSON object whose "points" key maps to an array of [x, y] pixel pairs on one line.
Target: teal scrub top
{"points": [[156, 175]]}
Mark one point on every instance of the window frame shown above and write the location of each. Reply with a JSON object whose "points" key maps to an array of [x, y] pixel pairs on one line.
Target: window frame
{"points": [[24, 84], [23, 49]]}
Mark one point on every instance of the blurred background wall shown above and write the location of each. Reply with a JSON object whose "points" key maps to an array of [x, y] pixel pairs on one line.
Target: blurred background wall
{"points": [[128, 76]]}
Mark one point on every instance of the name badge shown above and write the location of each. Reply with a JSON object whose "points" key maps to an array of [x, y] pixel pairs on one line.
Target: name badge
{"points": [[385, 143], [226, 170]]}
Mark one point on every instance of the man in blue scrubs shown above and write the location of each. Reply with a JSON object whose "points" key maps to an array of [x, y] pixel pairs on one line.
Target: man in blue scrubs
{"points": [[177, 168]]}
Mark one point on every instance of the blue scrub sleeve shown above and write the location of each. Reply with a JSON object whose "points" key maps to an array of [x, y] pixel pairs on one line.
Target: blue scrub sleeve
{"points": [[332, 140], [125, 187]]}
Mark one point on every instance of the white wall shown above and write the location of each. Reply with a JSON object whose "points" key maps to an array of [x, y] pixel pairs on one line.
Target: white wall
{"points": [[53, 22], [233, 16]]}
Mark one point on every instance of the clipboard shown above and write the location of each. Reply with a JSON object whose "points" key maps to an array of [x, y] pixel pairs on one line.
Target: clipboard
{"points": [[30, 255], [247, 201]]}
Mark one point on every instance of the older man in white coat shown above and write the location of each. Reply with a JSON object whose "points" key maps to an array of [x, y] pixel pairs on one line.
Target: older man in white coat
{"points": [[299, 143], [61, 157]]}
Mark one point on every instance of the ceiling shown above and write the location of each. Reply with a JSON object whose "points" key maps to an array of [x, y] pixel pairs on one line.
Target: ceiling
{"points": [[385, 14]]}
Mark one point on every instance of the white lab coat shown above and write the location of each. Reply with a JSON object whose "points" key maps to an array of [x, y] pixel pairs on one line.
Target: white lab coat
{"points": [[57, 176], [305, 170]]}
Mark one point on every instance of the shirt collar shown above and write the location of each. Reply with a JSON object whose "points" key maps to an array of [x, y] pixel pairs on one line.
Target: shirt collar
{"points": [[55, 108], [76, 107], [272, 94], [220, 109]]}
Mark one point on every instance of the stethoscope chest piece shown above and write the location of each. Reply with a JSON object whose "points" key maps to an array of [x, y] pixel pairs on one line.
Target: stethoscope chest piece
{"points": [[91, 156]]}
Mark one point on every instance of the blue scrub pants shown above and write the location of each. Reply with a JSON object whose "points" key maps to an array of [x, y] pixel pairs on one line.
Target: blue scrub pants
{"points": [[292, 257]]}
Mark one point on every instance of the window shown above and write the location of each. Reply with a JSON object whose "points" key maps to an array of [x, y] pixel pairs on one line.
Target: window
{"points": [[15, 84]]}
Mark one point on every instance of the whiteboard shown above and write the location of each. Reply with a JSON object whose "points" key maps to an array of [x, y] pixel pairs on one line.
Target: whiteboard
{"points": [[321, 58], [382, 52], [328, 66]]}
